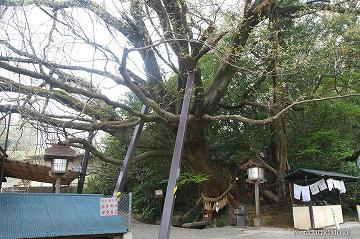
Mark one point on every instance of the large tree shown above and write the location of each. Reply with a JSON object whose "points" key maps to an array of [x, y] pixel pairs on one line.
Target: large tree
{"points": [[64, 64]]}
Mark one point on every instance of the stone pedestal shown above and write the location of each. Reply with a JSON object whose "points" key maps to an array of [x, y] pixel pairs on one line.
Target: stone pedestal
{"points": [[127, 235], [257, 221]]}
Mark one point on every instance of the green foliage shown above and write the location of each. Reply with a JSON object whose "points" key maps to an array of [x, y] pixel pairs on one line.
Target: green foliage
{"points": [[322, 136], [351, 198], [269, 220], [98, 184], [103, 179], [208, 64], [133, 102], [144, 203], [222, 221], [324, 145], [188, 177], [144, 178]]}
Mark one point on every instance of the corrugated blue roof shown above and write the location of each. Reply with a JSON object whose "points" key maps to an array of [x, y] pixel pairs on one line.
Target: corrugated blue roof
{"points": [[54, 215]]}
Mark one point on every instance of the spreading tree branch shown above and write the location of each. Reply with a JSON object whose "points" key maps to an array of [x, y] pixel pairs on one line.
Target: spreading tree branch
{"points": [[271, 119], [87, 145]]}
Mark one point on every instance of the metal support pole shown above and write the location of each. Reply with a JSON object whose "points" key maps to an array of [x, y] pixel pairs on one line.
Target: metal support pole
{"points": [[130, 211], [311, 215], [311, 211], [84, 165], [4, 153], [291, 194], [176, 161], [130, 153], [257, 219], [338, 196], [58, 184]]}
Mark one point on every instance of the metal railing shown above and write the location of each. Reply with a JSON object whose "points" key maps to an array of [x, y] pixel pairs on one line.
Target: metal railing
{"points": [[124, 208]]}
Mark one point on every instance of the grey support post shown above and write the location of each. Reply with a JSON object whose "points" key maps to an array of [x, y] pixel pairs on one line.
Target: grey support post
{"points": [[4, 152], [176, 161], [130, 212], [84, 165], [130, 153]]}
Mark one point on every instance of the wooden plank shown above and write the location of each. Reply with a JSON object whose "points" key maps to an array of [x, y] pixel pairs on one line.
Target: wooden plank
{"points": [[34, 172]]}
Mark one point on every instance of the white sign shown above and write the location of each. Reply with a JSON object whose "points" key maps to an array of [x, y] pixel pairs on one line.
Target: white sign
{"points": [[158, 193], [108, 207]]}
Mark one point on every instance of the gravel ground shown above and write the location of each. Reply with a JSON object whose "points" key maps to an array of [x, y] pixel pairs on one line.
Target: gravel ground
{"points": [[142, 231]]}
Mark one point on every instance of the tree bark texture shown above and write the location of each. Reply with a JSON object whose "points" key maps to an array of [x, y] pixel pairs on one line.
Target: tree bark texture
{"points": [[279, 141]]}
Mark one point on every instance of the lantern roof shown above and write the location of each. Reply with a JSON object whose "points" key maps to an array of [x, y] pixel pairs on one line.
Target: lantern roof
{"points": [[253, 162], [60, 151]]}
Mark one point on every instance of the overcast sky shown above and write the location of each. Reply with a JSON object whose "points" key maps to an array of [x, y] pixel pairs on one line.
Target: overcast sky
{"points": [[32, 24]]}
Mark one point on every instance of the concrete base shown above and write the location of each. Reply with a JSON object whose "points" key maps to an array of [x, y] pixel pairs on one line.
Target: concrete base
{"points": [[323, 216], [128, 235], [257, 221]]}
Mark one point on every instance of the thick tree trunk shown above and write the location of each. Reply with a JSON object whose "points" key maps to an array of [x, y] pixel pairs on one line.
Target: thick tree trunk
{"points": [[279, 139], [196, 159], [281, 157]]}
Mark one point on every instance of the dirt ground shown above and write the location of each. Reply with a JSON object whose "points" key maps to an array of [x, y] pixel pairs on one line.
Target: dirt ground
{"points": [[142, 231]]}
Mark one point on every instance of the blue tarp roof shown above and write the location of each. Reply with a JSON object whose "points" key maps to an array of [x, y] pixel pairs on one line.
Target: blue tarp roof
{"points": [[54, 215]]}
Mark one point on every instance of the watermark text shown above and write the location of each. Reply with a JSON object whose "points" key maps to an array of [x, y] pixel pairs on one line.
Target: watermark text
{"points": [[326, 232]]}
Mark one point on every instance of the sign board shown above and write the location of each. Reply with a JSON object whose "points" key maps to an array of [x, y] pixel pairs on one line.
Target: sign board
{"points": [[108, 207], [159, 193]]}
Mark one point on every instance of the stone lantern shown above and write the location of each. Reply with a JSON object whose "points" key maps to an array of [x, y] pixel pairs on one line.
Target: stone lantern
{"points": [[59, 156], [256, 175]]}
